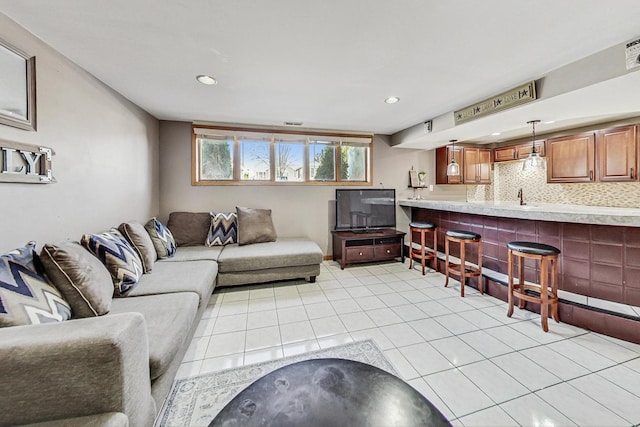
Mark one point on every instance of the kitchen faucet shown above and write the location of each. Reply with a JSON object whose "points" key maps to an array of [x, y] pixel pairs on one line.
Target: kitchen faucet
{"points": [[520, 196]]}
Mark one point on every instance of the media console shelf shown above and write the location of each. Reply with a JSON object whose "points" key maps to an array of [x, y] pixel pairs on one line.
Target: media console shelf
{"points": [[351, 247]]}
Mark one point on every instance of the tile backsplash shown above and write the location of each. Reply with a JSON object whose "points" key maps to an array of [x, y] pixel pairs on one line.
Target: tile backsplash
{"points": [[508, 178]]}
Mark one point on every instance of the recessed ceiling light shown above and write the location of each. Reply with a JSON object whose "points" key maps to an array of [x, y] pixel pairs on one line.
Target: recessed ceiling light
{"points": [[495, 134], [293, 123], [206, 80], [392, 100], [549, 122]]}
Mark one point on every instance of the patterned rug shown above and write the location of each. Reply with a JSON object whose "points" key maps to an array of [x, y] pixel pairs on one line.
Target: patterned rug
{"points": [[195, 401]]}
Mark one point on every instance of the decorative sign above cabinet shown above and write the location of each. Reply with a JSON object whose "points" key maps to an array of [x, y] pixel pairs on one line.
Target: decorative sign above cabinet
{"points": [[25, 163], [632, 54], [511, 98]]}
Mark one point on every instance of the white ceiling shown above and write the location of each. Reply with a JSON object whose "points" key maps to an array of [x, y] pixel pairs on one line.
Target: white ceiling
{"points": [[331, 63]]}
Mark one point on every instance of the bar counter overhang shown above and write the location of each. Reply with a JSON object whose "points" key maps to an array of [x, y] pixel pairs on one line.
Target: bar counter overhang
{"points": [[599, 264]]}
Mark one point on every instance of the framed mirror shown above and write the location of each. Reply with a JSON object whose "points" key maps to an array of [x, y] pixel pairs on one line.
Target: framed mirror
{"points": [[17, 88]]}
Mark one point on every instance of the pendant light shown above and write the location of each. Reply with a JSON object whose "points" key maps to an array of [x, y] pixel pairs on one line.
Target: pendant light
{"points": [[453, 169], [534, 161]]}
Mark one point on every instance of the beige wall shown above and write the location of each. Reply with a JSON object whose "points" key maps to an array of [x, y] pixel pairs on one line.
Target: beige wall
{"points": [[106, 154], [297, 210]]}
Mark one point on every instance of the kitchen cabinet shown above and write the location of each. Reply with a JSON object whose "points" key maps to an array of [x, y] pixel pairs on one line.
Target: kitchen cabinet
{"points": [[477, 165], [571, 158], [504, 154], [443, 158], [617, 154], [516, 152], [606, 155]]}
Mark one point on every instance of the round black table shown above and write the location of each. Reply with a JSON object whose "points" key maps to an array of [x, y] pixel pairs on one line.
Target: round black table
{"points": [[329, 392]]}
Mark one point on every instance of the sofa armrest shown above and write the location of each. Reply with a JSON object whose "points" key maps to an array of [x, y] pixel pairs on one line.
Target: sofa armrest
{"points": [[76, 368]]}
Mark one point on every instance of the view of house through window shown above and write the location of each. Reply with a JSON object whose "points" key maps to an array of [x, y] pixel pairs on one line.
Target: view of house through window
{"points": [[227, 156]]}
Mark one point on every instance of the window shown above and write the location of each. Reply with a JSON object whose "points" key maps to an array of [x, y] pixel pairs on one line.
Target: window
{"points": [[228, 156]]}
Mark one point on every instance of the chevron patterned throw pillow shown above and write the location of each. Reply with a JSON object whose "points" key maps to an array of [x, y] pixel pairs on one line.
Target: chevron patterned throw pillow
{"points": [[122, 261], [162, 238], [26, 296], [223, 229]]}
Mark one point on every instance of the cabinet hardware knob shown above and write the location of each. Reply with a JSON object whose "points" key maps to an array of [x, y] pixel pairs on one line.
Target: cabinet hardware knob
{"points": [[388, 251], [591, 175], [631, 173], [360, 254]]}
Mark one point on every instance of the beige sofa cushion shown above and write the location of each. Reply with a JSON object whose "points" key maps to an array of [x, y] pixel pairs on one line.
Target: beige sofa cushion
{"points": [[286, 252], [169, 318], [167, 276]]}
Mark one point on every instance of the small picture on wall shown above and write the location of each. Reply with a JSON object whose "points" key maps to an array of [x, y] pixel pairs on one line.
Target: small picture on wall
{"points": [[413, 178]]}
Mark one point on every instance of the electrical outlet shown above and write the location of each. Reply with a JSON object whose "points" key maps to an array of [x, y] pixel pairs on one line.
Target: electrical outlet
{"points": [[430, 187]]}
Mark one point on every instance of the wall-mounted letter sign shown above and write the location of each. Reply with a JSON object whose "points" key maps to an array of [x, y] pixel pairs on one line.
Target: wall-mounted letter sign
{"points": [[25, 163]]}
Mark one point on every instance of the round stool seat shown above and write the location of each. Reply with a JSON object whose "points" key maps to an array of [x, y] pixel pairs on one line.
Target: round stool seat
{"points": [[532, 248], [464, 235], [422, 225]]}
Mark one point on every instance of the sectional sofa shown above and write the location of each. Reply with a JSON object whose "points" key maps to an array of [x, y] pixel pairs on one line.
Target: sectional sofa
{"points": [[114, 360]]}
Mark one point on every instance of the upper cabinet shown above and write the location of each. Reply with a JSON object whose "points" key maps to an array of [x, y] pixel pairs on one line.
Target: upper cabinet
{"points": [[443, 158], [571, 158], [617, 152], [608, 155], [477, 165], [516, 152]]}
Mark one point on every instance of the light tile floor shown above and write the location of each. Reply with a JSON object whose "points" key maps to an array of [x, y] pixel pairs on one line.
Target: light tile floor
{"points": [[479, 367]]}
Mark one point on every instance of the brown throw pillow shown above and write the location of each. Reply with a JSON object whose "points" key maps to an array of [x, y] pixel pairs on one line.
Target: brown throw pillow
{"points": [[137, 235], [81, 278], [189, 228], [255, 226]]}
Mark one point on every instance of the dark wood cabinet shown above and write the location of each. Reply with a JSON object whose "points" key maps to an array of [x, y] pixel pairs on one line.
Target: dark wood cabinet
{"points": [[381, 245], [617, 153], [477, 165], [443, 158], [571, 158]]}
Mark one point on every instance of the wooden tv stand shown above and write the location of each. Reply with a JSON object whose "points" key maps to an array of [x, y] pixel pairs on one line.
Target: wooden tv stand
{"points": [[354, 247]]}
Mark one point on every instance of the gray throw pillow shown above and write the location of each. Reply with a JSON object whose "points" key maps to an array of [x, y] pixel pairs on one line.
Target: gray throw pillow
{"points": [[255, 226], [82, 279], [189, 228], [137, 235]]}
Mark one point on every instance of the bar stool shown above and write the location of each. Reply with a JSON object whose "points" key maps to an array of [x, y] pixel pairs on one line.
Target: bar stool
{"points": [[546, 255], [462, 269], [422, 254]]}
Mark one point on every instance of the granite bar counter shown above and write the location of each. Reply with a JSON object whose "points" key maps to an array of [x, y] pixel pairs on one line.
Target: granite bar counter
{"points": [[599, 263], [629, 217]]}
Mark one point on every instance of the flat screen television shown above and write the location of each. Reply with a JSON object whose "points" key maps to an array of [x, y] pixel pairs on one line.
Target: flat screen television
{"points": [[363, 210]]}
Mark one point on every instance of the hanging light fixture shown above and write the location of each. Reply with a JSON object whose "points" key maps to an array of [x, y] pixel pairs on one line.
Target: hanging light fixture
{"points": [[453, 169], [534, 161]]}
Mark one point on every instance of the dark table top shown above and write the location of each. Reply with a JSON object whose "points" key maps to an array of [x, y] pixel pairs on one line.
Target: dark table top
{"points": [[329, 392]]}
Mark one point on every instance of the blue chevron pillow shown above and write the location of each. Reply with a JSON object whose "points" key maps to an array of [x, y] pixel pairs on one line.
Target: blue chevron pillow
{"points": [[161, 237], [26, 296], [223, 229], [122, 261]]}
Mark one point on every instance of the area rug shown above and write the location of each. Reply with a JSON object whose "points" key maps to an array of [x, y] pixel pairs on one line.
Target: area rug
{"points": [[195, 401]]}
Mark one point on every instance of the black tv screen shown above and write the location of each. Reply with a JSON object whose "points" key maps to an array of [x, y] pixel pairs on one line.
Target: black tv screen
{"points": [[365, 209]]}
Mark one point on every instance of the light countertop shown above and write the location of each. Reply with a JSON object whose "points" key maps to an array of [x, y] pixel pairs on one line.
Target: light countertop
{"points": [[629, 217]]}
